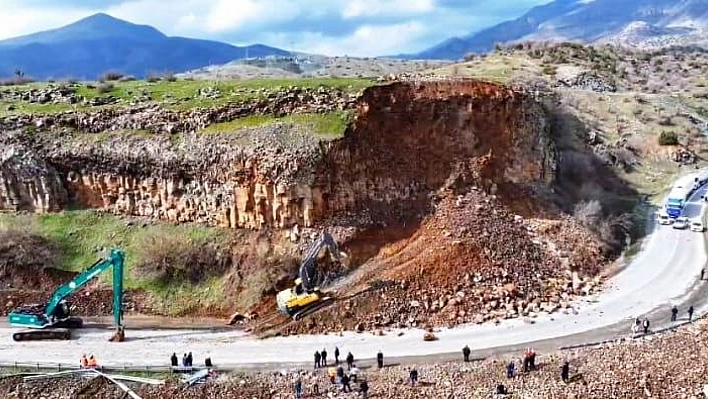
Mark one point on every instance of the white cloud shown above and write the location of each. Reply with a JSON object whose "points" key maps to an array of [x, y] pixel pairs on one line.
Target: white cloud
{"points": [[17, 19], [367, 40], [369, 8], [226, 15]]}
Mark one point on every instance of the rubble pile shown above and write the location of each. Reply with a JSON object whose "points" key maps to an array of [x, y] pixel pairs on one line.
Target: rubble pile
{"points": [[86, 302], [157, 119], [50, 94], [588, 81], [470, 261]]}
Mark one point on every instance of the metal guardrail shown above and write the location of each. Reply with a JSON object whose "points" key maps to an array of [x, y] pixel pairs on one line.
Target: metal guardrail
{"points": [[38, 367]]}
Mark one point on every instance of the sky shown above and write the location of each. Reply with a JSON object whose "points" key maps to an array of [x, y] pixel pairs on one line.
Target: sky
{"points": [[331, 27]]}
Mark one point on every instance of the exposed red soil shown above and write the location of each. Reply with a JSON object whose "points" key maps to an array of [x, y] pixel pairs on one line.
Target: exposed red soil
{"points": [[458, 163]]}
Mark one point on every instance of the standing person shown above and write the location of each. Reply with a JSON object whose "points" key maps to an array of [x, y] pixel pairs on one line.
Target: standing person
{"points": [[379, 359], [527, 359], [184, 360], [336, 355], [645, 324], [190, 360], [510, 368], [565, 371], [84, 361], [703, 273], [345, 383], [413, 376], [340, 373], [364, 387], [690, 313], [350, 360], [174, 360], [466, 353], [532, 359], [674, 313], [298, 388], [324, 357], [317, 359], [92, 362]]}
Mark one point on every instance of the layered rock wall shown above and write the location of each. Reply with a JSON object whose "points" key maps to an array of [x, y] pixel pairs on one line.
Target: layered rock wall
{"points": [[407, 140]]}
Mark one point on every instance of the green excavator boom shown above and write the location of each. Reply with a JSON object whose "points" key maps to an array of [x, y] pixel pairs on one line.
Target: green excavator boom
{"points": [[56, 311]]}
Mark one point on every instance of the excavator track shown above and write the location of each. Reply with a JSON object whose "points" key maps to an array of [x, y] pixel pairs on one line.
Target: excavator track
{"points": [[59, 330], [313, 308], [44, 334]]}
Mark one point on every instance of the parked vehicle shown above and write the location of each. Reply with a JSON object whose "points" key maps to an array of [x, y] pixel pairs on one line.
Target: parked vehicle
{"points": [[697, 225], [664, 218], [681, 223]]}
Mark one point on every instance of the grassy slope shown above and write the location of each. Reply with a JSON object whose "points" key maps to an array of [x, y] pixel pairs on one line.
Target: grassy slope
{"points": [[325, 126], [181, 94], [82, 234]]}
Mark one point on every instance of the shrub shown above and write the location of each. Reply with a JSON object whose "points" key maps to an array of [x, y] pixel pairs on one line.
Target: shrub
{"points": [[127, 79], [104, 88], [21, 248], [668, 138], [170, 77], [151, 78], [111, 75], [175, 258]]}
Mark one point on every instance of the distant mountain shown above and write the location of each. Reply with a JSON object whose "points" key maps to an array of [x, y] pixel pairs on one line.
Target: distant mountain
{"points": [[643, 22], [87, 48]]}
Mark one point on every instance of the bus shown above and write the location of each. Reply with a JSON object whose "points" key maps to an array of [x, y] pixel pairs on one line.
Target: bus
{"points": [[679, 194]]}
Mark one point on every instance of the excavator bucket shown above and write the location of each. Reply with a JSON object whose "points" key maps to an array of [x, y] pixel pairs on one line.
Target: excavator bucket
{"points": [[119, 336]]}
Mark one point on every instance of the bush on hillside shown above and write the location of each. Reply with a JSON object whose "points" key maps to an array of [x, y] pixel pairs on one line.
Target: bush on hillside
{"points": [[668, 138], [111, 75], [21, 248], [174, 258], [104, 88]]}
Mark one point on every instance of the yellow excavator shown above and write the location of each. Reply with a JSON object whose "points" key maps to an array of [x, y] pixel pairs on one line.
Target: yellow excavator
{"points": [[305, 297]]}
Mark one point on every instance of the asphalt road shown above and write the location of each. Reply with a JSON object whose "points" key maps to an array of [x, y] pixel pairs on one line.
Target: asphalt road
{"points": [[665, 272]]}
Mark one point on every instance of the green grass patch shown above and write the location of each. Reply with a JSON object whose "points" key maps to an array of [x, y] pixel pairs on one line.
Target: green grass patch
{"points": [[83, 235], [326, 126], [181, 94]]}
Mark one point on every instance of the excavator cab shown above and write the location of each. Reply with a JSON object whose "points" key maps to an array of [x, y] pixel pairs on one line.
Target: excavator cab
{"points": [[304, 297]]}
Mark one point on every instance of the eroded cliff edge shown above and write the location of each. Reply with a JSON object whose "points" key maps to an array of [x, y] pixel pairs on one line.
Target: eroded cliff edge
{"points": [[405, 142]]}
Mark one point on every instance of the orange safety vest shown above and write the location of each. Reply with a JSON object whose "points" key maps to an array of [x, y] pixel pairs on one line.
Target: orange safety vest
{"points": [[92, 362]]}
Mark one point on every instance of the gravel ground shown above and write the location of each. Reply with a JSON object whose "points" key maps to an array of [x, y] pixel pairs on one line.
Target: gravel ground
{"points": [[672, 365]]}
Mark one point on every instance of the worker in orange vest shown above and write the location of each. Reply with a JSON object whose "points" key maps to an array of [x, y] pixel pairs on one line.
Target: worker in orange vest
{"points": [[92, 361], [84, 361]]}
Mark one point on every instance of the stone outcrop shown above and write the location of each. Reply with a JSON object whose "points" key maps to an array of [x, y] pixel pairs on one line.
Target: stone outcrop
{"points": [[156, 119], [27, 182], [408, 138]]}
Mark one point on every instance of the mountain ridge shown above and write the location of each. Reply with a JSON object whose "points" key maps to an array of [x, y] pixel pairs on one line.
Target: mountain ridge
{"points": [[586, 21], [89, 47]]}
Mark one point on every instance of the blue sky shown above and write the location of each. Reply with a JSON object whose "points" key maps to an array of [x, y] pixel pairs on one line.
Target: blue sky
{"points": [[331, 27]]}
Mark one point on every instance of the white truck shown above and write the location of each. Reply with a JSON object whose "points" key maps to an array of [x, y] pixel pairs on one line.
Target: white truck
{"points": [[664, 218]]}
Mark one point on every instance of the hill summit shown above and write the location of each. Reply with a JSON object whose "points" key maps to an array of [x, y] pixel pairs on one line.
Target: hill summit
{"points": [[88, 47]]}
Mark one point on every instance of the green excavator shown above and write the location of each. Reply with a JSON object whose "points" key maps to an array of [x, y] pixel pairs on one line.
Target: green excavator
{"points": [[53, 320]]}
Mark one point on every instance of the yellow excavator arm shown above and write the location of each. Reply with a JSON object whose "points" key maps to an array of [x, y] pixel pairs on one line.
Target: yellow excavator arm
{"points": [[305, 297]]}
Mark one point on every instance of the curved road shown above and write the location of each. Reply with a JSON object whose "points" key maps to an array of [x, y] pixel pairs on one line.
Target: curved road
{"points": [[665, 272]]}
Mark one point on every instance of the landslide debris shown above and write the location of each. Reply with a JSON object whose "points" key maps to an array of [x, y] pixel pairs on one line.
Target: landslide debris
{"points": [[468, 167]]}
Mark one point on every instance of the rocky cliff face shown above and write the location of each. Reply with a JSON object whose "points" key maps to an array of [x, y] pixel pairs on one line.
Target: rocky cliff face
{"points": [[408, 139]]}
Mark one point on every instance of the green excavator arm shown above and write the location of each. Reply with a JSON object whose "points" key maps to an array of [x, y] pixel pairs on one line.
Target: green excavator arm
{"points": [[56, 310]]}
